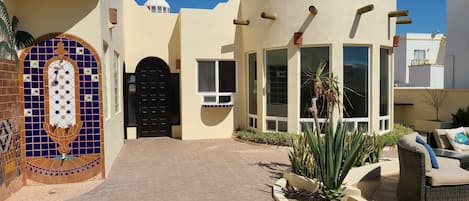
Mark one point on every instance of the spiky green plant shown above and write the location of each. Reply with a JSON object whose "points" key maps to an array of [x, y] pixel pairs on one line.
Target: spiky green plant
{"points": [[370, 151], [301, 160], [12, 39], [333, 158]]}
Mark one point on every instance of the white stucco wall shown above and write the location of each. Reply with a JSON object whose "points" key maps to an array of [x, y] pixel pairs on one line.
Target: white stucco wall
{"points": [[457, 69], [434, 47], [113, 36]]}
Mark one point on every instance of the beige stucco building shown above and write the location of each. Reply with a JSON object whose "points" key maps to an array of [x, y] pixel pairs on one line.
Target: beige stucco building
{"points": [[197, 75]]}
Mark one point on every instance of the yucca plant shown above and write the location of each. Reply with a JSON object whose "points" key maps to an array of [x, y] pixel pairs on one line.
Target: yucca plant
{"points": [[301, 160], [12, 39]]}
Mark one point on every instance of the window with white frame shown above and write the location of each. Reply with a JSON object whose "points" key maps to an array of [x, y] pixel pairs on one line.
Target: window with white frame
{"points": [[116, 83], [384, 89], [277, 90], [217, 81], [356, 86], [419, 57]]}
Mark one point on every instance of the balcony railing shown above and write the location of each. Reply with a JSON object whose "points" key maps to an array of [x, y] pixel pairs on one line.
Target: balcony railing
{"points": [[415, 62]]}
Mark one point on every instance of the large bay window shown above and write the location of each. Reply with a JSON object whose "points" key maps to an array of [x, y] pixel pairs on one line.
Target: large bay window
{"points": [[277, 90], [356, 82], [217, 81]]}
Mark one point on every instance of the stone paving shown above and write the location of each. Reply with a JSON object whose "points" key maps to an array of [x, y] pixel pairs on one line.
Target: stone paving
{"points": [[169, 169]]}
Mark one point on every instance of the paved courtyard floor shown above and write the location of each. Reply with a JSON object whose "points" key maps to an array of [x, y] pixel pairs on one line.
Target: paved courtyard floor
{"points": [[169, 169]]}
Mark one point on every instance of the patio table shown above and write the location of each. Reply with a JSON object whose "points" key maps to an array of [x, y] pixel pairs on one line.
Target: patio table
{"points": [[462, 157]]}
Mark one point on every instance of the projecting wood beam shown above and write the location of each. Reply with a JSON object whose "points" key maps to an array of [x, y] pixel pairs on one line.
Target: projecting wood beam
{"points": [[313, 10], [365, 9], [240, 22], [268, 16], [404, 21], [398, 13]]}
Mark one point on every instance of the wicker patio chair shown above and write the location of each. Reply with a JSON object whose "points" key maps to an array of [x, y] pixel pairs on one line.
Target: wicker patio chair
{"points": [[414, 183]]}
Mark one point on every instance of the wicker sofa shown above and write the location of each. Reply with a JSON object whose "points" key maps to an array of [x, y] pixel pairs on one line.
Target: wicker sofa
{"points": [[439, 140], [418, 181]]}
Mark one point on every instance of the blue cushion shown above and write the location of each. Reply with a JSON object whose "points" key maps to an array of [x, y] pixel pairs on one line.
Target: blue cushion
{"points": [[430, 152]]}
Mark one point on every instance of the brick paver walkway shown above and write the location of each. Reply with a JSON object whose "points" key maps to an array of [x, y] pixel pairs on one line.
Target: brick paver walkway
{"points": [[174, 170]]}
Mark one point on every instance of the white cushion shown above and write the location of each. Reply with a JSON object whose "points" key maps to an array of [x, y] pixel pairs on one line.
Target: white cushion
{"points": [[451, 134]]}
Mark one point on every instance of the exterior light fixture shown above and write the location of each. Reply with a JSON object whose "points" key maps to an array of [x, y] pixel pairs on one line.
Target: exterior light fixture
{"points": [[298, 38]]}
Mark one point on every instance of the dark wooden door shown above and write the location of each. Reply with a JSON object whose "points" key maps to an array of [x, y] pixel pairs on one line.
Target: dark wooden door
{"points": [[153, 115]]}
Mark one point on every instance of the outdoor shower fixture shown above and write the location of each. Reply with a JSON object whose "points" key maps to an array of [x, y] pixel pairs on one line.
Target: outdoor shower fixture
{"points": [[62, 118], [365, 9], [269, 16]]}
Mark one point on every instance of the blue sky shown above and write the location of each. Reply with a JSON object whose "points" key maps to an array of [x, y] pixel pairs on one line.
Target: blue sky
{"points": [[428, 15]]}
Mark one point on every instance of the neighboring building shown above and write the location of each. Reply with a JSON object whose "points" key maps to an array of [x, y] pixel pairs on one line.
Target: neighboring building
{"points": [[457, 54], [157, 6], [108, 70], [419, 60]]}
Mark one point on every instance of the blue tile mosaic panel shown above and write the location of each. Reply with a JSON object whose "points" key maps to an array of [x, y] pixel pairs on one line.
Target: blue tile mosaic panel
{"points": [[37, 141]]}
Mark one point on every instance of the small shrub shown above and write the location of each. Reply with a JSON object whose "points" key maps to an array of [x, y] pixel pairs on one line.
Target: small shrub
{"points": [[461, 118], [280, 139], [391, 138], [302, 162]]}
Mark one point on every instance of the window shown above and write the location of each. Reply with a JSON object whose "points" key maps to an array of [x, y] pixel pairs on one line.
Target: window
{"points": [[217, 81], [131, 114], [419, 57], [153, 9], [384, 82], [253, 83], [116, 83], [277, 86], [277, 90], [356, 61], [159, 9], [384, 86], [252, 96], [311, 59]]}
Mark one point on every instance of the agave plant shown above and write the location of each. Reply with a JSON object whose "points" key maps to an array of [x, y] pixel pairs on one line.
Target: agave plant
{"points": [[12, 39], [333, 158]]}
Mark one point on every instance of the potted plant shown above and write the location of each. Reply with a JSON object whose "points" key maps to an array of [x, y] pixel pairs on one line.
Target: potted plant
{"points": [[435, 99], [332, 156]]}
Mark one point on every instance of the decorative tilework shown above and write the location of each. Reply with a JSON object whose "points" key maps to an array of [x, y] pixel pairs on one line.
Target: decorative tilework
{"points": [[61, 94], [34, 64], [6, 133], [68, 99]]}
